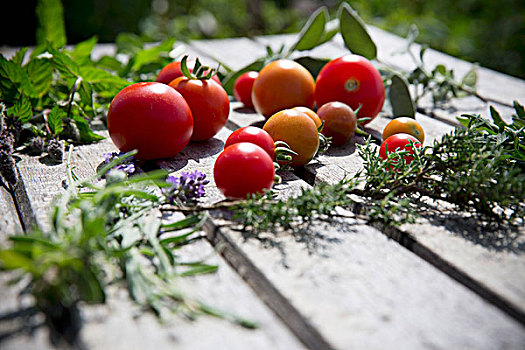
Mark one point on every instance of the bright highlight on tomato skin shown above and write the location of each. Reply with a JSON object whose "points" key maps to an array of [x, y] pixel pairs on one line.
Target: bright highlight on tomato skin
{"points": [[152, 118], [354, 80], [243, 169]]}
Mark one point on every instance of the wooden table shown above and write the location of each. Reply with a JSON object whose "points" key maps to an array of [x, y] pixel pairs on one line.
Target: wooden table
{"points": [[429, 285]]}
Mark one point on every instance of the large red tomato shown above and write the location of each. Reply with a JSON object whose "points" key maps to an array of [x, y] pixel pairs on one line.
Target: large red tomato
{"points": [[152, 118], [172, 70], [209, 104], [243, 169], [351, 79]]}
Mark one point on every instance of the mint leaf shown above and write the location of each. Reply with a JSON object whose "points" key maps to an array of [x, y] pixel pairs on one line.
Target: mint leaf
{"points": [[81, 52], [312, 31], [86, 134], [40, 74], [152, 55], [13, 81], [51, 28], [64, 63], [355, 35], [18, 58], [22, 109], [54, 120]]}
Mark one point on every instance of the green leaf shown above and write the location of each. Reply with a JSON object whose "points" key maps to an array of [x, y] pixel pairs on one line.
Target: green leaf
{"points": [[18, 58], [109, 62], [13, 81], [153, 54], [331, 28], [200, 270], [40, 74], [22, 109], [471, 77], [128, 43], [83, 49], [497, 117], [400, 99], [90, 287], [86, 134], [64, 63], [51, 27], [312, 31], [95, 75], [355, 35], [313, 64], [12, 260], [519, 109], [54, 120]]}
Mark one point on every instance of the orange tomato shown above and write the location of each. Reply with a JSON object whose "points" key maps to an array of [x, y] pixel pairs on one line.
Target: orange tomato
{"points": [[311, 114], [282, 84], [404, 125], [296, 129]]}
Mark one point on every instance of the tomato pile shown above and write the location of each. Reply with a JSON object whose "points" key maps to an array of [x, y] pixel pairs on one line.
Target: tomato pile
{"points": [[187, 102]]}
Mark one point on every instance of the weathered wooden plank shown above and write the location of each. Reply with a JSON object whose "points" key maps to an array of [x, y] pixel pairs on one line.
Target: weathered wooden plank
{"points": [[103, 326], [498, 273]]}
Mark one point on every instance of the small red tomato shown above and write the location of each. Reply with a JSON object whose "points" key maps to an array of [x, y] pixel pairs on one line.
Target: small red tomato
{"points": [[152, 118], [209, 104], [242, 89], [172, 70], [354, 80], [399, 142], [243, 169], [253, 135]]}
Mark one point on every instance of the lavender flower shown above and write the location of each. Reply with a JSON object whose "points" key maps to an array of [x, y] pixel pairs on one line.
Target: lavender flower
{"points": [[188, 187], [128, 166]]}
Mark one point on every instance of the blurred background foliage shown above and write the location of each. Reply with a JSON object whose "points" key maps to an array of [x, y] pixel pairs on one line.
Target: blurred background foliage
{"points": [[491, 32]]}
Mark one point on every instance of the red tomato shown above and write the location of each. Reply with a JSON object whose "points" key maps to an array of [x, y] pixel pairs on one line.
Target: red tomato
{"points": [[152, 118], [351, 79], [398, 142], [242, 89], [243, 169], [209, 104], [172, 71], [253, 135]]}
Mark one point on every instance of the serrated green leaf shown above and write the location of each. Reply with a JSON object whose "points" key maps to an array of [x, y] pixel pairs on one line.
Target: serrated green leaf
{"points": [[95, 75], [470, 79], [19, 56], [54, 120], [400, 98], [64, 63], [13, 81], [40, 74], [354, 33], [51, 27], [22, 109], [152, 54], [86, 134], [83, 49], [312, 32]]}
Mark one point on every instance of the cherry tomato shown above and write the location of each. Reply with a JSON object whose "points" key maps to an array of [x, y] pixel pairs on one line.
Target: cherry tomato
{"points": [[209, 104], [398, 142], [242, 89], [152, 118], [296, 129], [243, 169], [311, 114], [340, 122], [282, 84], [404, 125], [351, 79], [253, 135], [172, 70]]}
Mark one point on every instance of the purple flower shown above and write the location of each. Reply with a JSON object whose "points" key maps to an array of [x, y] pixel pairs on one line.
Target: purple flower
{"points": [[188, 187], [128, 166]]}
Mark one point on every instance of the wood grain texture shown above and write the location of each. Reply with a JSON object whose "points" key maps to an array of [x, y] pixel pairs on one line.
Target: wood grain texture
{"points": [[116, 325]]}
